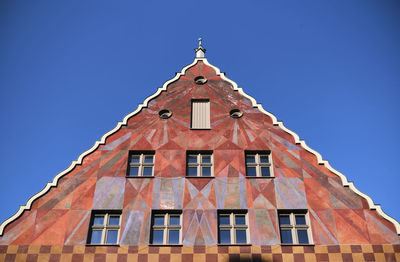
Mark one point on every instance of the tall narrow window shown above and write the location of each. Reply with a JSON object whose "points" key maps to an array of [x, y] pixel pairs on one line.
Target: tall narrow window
{"points": [[200, 114], [199, 164], [166, 227], [141, 164], [104, 227], [233, 227], [258, 164], [294, 227]]}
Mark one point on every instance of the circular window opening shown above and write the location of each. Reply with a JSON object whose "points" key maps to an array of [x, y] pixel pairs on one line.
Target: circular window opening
{"points": [[200, 80], [165, 113], [236, 113]]}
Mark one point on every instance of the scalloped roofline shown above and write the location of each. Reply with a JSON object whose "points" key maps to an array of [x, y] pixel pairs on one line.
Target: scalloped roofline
{"points": [[145, 103]]}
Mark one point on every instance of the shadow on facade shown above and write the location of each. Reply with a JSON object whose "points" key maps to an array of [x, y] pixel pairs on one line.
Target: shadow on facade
{"points": [[254, 258]]}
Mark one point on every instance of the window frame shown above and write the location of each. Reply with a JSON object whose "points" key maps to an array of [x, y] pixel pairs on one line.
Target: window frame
{"points": [[105, 227], [141, 165], [293, 227], [232, 227], [258, 164], [166, 214], [199, 163], [194, 100]]}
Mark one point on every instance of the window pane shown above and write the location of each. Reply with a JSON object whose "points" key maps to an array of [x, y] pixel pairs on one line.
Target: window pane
{"points": [[206, 159], [240, 220], [224, 220], [192, 171], [302, 236], [265, 171], [264, 159], [134, 171], [206, 171], [135, 159], [158, 236], [250, 159], [148, 159], [98, 221], [96, 237], [147, 171], [192, 159], [284, 220], [113, 221], [173, 237], [241, 236], [251, 171], [174, 220], [158, 221], [300, 220], [112, 237], [286, 236], [224, 236]]}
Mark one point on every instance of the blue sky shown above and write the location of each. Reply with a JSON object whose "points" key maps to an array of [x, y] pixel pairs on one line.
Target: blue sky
{"points": [[70, 70]]}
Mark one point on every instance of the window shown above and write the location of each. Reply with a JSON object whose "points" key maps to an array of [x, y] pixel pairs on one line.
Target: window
{"points": [[294, 227], [141, 164], [199, 164], [200, 114], [166, 227], [104, 228], [258, 164], [233, 227]]}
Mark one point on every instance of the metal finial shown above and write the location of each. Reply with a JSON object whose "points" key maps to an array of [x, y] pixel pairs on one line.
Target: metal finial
{"points": [[200, 41], [200, 50]]}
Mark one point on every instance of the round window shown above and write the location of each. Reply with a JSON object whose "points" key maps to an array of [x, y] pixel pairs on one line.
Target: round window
{"points": [[236, 113], [200, 80], [165, 113]]}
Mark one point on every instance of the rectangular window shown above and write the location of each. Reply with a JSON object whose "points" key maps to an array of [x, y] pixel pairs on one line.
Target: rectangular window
{"points": [[233, 227], [200, 114], [294, 227], [258, 164], [199, 164], [104, 228], [166, 227], [141, 164]]}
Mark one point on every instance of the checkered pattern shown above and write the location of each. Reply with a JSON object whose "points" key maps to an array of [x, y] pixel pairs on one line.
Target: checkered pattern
{"points": [[200, 253]]}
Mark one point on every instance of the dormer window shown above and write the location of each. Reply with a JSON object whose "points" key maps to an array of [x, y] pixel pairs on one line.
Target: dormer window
{"points": [[200, 114]]}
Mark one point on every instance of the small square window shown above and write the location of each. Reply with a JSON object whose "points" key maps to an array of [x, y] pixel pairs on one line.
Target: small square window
{"points": [[104, 228], [258, 164], [141, 164], [233, 227], [166, 227], [199, 164], [294, 227]]}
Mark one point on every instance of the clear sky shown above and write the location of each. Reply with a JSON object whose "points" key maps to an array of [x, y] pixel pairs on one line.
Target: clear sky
{"points": [[70, 70]]}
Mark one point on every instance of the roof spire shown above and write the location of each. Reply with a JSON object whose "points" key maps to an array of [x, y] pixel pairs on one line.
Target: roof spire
{"points": [[200, 51]]}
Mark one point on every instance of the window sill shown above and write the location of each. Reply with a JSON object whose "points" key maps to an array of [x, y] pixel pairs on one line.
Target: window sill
{"points": [[166, 245], [297, 244], [200, 128], [233, 244], [139, 176], [262, 177], [200, 177], [102, 245]]}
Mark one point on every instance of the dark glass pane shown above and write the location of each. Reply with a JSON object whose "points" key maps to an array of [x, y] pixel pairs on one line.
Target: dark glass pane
{"points": [[148, 159], [98, 221], [300, 220], [174, 220], [192, 171], [250, 159], [206, 159], [264, 159], [284, 220], [158, 236], [147, 171], [224, 236], [265, 171], [240, 220], [134, 171], [251, 171], [135, 159], [241, 236], [112, 237], [286, 236], [96, 237], [173, 237], [206, 171], [224, 220], [113, 221], [192, 159], [158, 221], [302, 236]]}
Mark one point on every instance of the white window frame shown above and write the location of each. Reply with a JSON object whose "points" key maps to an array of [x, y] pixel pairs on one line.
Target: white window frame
{"points": [[141, 165], [105, 227], [258, 165], [199, 164], [166, 227], [196, 121], [232, 227], [293, 227]]}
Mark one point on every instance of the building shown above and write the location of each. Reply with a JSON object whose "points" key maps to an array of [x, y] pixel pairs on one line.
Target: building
{"points": [[200, 172]]}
